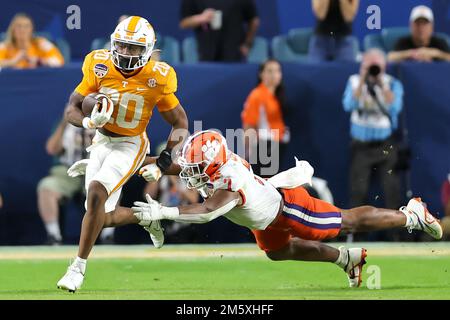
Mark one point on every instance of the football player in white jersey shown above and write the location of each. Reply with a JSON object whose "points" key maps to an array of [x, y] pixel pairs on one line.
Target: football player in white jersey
{"points": [[286, 221]]}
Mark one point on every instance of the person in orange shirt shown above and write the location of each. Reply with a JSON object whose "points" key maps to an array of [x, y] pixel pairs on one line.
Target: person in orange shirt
{"points": [[117, 95], [262, 120], [22, 50]]}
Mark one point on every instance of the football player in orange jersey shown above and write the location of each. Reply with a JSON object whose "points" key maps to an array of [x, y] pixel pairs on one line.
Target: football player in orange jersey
{"points": [[129, 85], [286, 221]]}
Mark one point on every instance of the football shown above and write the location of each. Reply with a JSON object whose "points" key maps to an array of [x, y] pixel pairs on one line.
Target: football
{"points": [[89, 103]]}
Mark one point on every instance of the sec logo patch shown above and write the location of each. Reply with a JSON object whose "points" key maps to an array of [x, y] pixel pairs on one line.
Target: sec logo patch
{"points": [[151, 83]]}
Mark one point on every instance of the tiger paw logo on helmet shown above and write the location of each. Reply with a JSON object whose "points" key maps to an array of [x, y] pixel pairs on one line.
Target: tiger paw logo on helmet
{"points": [[211, 149]]}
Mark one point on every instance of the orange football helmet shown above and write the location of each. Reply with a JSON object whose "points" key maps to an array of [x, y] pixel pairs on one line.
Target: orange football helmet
{"points": [[202, 156]]}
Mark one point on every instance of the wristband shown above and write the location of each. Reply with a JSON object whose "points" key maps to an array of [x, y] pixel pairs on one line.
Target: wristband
{"points": [[165, 160], [170, 213]]}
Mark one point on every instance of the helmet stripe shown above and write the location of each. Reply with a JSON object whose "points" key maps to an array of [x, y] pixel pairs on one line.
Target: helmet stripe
{"points": [[132, 24]]}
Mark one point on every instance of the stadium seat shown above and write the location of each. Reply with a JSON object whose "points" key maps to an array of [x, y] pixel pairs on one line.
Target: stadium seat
{"points": [[99, 43], [293, 46], [259, 51], [390, 36], [170, 49], [64, 47], [189, 48], [373, 41], [356, 49]]}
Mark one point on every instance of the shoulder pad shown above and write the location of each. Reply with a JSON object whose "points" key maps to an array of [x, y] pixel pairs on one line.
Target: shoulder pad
{"points": [[230, 177]]}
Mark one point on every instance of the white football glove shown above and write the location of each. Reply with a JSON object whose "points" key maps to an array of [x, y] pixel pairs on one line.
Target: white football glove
{"points": [[150, 172], [146, 212], [78, 168], [99, 118]]}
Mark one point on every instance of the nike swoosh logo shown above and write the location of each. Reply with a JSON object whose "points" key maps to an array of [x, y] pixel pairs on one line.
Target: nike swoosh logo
{"points": [[141, 89]]}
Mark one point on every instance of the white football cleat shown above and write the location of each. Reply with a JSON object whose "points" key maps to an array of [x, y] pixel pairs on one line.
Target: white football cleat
{"points": [[355, 260], [156, 233], [422, 218], [72, 280]]}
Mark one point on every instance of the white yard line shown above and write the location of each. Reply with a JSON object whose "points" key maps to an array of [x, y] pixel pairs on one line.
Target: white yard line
{"points": [[208, 251]]}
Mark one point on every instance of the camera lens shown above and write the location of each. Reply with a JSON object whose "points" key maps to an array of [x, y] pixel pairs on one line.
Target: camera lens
{"points": [[374, 70]]}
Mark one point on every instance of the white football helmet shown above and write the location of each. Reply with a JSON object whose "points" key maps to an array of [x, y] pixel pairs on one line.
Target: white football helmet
{"points": [[132, 43]]}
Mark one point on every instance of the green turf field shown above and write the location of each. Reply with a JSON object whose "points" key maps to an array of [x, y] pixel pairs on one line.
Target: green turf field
{"points": [[408, 271]]}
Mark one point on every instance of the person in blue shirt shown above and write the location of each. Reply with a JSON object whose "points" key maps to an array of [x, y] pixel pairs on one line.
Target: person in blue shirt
{"points": [[374, 100]]}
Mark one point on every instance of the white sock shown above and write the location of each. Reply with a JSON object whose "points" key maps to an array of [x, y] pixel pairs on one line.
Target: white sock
{"points": [[410, 218], [81, 263], [343, 257], [107, 232], [53, 229]]}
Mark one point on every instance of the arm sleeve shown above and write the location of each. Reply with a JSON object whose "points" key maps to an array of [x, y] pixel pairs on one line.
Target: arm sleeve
{"points": [[89, 83], [250, 114], [348, 100]]}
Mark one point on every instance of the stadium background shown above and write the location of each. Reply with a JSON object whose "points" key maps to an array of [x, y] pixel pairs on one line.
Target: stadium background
{"points": [[33, 100]]}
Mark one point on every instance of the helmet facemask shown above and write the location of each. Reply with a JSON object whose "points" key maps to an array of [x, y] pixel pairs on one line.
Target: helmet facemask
{"points": [[136, 56], [193, 174], [202, 156]]}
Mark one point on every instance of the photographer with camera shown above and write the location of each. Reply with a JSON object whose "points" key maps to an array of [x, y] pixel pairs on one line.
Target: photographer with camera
{"points": [[375, 100]]}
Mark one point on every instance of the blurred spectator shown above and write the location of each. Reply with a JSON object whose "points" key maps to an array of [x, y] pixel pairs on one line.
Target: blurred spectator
{"points": [[1, 201], [421, 45], [22, 50], [219, 27], [445, 221], [332, 39], [264, 110], [67, 144], [375, 100]]}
